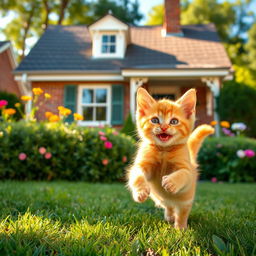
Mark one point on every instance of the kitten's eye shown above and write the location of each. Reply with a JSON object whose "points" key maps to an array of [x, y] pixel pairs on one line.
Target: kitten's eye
{"points": [[174, 121], [155, 120]]}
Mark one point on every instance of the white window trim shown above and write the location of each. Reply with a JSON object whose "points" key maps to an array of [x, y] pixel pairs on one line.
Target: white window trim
{"points": [[109, 44], [108, 105]]}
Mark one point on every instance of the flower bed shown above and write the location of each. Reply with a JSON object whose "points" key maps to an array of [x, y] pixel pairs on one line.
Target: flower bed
{"points": [[228, 159], [46, 151]]}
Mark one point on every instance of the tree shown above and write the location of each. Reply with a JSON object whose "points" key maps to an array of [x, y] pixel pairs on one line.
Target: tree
{"points": [[156, 15], [251, 47], [32, 17]]}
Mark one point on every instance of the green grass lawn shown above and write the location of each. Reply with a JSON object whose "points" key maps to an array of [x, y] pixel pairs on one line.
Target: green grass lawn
{"points": [[62, 218]]}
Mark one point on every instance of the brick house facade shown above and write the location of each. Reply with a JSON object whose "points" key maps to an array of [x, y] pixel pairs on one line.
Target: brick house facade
{"points": [[96, 70], [7, 65]]}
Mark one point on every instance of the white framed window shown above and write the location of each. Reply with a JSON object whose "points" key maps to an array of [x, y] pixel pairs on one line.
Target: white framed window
{"points": [[108, 44], [94, 104]]}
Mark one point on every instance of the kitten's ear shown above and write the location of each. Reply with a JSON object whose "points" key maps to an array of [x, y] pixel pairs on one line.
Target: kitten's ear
{"points": [[144, 101], [188, 102]]}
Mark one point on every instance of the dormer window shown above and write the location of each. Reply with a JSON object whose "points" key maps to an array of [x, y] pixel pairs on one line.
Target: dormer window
{"points": [[108, 44], [110, 38]]}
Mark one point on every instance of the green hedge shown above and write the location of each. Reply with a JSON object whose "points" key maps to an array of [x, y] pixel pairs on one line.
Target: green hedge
{"points": [[237, 104], [74, 153], [218, 158]]}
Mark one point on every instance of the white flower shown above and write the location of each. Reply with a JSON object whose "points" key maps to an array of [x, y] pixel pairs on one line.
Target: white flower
{"points": [[238, 126], [240, 153]]}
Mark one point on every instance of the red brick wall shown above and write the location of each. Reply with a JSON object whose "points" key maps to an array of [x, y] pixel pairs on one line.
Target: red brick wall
{"points": [[7, 82], [56, 89], [172, 16]]}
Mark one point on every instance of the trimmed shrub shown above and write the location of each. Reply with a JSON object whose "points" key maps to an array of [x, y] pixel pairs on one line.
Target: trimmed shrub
{"points": [[12, 100], [218, 158], [237, 104], [129, 127], [46, 151]]}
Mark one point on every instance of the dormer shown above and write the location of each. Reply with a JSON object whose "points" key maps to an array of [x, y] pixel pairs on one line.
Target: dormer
{"points": [[110, 37]]}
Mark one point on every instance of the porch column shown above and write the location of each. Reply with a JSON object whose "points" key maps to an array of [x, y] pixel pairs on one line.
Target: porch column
{"points": [[135, 83], [27, 90], [214, 84]]}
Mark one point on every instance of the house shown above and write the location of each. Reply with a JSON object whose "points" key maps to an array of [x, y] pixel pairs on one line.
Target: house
{"points": [[7, 65], [95, 70]]}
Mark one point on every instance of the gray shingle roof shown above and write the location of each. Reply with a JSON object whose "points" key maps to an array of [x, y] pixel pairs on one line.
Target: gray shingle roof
{"points": [[69, 48]]}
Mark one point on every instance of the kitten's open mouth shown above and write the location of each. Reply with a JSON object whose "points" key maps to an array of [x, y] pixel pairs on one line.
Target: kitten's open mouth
{"points": [[164, 136]]}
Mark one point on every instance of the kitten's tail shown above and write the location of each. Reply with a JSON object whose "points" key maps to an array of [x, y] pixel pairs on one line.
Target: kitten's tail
{"points": [[196, 139]]}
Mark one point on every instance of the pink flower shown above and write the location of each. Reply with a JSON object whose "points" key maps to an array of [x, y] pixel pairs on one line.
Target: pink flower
{"points": [[22, 156], [108, 144], [249, 153], [3, 103], [124, 159], [103, 138], [48, 155], [101, 133], [42, 150], [115, 132], [104, 161], [101, 126], [214, 179]]}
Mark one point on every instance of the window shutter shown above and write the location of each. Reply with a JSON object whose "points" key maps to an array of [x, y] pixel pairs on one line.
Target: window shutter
{"points": [[70, 95], [117, 104]]}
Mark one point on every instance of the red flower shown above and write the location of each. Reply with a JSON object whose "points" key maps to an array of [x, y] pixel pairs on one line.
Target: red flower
{"points": [[103, 138], [22, 156], [3, 103], [108, 144], [42, 150], [104, 161], [124, 159], [214, 179], [101, 133], [48, 155]]}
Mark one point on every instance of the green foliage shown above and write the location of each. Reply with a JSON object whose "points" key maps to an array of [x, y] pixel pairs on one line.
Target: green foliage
{"points": [[156, 15], [76, 218], [77, 153], [251, 47], [218, 158], [129, 127], [12, 99], [237, 104]]}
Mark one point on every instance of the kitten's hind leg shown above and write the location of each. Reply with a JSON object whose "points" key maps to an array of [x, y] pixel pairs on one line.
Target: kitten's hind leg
{"points": [[138, 185], [169, 214], [181, 216]]}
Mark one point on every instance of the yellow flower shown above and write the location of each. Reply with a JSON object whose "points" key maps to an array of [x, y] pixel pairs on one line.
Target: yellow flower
{"points": [[48, 114], [225, 124], [213, 123], [37, 91], [9, 111], [54, 118], [26, 98], [64, 111], [17, 105], [78, 116], [47, 95]]}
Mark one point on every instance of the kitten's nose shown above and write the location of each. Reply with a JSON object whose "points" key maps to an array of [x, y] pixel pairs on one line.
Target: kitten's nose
{"points": [[164, 127]]}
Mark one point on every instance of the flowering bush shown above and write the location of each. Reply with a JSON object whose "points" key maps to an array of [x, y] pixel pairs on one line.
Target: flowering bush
{"points": [[46, 151], [228, 159]]}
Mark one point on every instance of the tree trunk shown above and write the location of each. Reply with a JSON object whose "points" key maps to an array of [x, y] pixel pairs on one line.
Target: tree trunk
{"points": [[48, 10], [26, 29], [63, 6]]}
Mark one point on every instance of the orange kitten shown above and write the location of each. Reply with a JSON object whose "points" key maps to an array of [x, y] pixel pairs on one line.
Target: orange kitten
{"points": [[165, 166]]}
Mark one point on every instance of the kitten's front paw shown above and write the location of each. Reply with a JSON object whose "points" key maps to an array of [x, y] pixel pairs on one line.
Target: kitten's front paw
{"points": [[141, 195], [170, 184]]}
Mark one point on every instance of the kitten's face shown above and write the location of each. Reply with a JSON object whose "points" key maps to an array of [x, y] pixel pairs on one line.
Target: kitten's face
{"points": [[165, 122]]}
